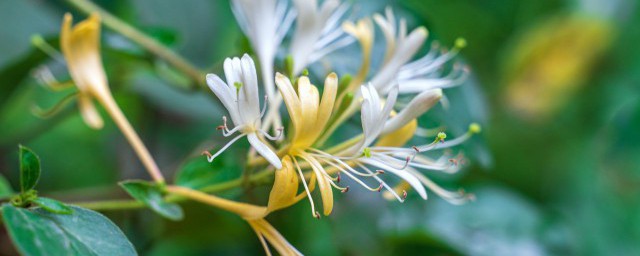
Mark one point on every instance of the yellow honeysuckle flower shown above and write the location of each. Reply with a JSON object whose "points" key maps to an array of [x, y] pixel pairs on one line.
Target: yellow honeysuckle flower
{"points": [[310, 115], [363, 31], [80, 46], [81, 49]]}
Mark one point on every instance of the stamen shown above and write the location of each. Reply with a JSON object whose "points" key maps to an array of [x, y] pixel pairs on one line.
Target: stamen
{"points": [[278, 136], [206, 153], [382, 184], [306, 188], [338, 187], [457, 197], [346, 171], [228, 133], [264, 106], [210, 158], [391, 161]]}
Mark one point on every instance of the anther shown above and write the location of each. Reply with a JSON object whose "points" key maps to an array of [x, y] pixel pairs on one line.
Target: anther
{"points": [[220, 127], [379, 188], [474, 128], [404, 194], [380, 172], [453, 161], [416, 149], [316, 215], [338, 178], [345, 190], [206, 153]]}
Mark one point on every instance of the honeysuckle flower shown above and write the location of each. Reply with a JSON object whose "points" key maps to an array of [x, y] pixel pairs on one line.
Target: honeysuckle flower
{"points": [[317, 31], [239, 95], [310, 115], [397, 68], [80, 47], [387, 156], [265, 23]]}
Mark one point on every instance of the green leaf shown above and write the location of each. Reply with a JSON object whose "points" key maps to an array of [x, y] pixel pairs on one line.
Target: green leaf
{"points": [[151, 195], [198, 173], [5, 188], [53, 206], [29, 169], [85, 232]]}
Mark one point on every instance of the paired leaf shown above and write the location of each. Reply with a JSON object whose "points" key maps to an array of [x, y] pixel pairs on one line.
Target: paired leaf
{"points": [[85, 232], [53, 206], [29, 169], [5, 188], [151, 195]]}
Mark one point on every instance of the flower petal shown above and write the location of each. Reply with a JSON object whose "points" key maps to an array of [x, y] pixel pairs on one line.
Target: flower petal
{"points": [[285, 187], [89, 113], [291, 100], [264, 150], [418, 106], [226, 95]]}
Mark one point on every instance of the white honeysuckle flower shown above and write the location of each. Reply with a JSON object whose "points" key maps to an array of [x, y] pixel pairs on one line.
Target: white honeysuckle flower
{"points": [[239, 95], [401, 47], [402, 162], [265, 23], [373, 114], [422, 74], [318, 31], [426, 73]]}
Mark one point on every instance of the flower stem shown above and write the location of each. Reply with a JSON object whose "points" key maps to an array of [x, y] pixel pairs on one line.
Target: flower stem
{"points": [[140, 38], [141, 150], [124, 204]]}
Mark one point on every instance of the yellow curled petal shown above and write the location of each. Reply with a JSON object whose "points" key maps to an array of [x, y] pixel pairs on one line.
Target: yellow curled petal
{"points": [[326, 191], [264, 230], [285, 187], [363, 31], [309, 102], [89, 112], [81, 49], [328, 99], [291, 100]]}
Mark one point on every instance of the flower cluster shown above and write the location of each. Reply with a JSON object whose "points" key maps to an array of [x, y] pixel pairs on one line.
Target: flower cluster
{"points": [[314, 114], [303, 153]]}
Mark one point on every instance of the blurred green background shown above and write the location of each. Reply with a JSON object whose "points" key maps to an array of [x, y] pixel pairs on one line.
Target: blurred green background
{"points": [[556, 171]]}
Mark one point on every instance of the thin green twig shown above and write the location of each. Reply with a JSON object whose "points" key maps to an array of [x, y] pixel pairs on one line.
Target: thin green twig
{"points": [[125, 204]]}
